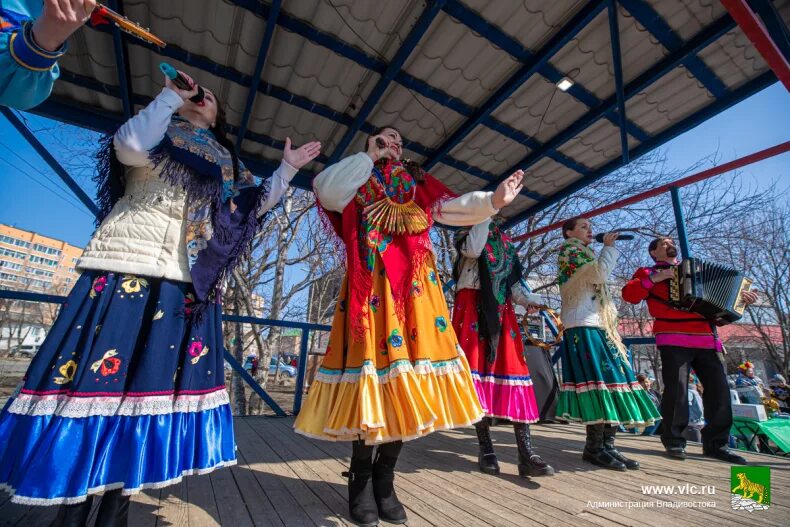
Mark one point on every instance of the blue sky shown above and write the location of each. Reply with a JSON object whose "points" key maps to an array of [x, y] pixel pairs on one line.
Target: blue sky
{"points": [[33, 198]]}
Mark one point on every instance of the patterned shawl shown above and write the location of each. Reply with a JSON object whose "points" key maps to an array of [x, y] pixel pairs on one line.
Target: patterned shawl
{"points": [[578, 268], [399, 235], [499, 270], [223, 210]]}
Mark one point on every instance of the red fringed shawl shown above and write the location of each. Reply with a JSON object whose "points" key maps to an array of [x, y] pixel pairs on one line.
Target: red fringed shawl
{"points": [[364, 236]]}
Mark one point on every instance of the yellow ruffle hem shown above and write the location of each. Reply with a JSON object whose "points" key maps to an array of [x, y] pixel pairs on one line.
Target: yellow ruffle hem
{"points": [[402, 381]]}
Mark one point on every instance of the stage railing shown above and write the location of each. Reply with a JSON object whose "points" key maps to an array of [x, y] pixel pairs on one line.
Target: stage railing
{"points": [[305, 328]]}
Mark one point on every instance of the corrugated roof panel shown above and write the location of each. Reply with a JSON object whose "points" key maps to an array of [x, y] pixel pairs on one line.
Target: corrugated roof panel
{"points": [[545, 18], [489, 150], [457, 181], [520, 203], [639, 49], [733, 59], [597, 144], [459, 62], [587, 59], [529, 105], [548, 177], [418, 118], [671, 98], [688, 17], [377, 28], [449, 57], [315, 72]]}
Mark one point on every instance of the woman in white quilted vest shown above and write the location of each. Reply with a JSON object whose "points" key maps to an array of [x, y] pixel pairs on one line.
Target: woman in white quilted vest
{"points": [[127, 392]]}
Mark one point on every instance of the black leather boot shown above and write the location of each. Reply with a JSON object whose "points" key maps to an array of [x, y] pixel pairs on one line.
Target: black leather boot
{"points": [[529, 462], [609, 432], [113, 509], [390, 509], [594, 451], [75, 515], [361, 502], [486, 459]]}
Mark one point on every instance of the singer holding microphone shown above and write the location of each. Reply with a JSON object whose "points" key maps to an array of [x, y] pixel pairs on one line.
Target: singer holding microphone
{"points": [[127, 391], [599, 388]]}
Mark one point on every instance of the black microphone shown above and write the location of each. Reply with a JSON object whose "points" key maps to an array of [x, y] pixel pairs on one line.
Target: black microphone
{"points": [[599, 237], [180, 81]]}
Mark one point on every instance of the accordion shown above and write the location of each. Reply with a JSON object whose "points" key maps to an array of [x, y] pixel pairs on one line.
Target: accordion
{"points": [[708, 289]]}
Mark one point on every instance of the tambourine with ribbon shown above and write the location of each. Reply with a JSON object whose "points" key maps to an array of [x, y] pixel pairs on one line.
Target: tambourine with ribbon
{"points": [[555, 318]]}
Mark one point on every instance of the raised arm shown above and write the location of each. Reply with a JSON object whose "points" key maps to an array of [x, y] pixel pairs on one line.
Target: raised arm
{"points": [[139, 135], [474, 207]]}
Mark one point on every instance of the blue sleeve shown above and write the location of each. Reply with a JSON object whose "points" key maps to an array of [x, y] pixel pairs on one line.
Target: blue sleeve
{"points": [[27, 71]]}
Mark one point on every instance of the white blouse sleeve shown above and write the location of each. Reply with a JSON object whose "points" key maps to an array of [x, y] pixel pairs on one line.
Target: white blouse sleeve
{"points": [[476, 240], [606, 263], [280, 180], [135, 139], [469, 209], [337, 184]]}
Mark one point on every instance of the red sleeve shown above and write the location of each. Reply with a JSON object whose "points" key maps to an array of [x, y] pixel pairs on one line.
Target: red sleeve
{"points": [[638, 287]]}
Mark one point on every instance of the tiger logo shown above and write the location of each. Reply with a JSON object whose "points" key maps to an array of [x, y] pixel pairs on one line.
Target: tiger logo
{"points": [[749, 488]]}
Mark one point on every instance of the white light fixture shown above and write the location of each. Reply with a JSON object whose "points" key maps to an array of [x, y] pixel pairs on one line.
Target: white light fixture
{"points": [[565, 84]]}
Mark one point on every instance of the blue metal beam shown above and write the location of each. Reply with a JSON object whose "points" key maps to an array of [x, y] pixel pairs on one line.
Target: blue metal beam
{"points": [[122, 62], [733, 97], [304, 103], [263, 394], [263, 50], [51, 161], [644, 13], [530, 67], [701, 40], [301, 372], [680, 222], [504, 41], [408, 81], [617, 62], [373, 98]]}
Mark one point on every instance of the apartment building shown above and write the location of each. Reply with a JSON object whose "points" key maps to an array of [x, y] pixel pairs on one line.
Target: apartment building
{"points": [[32, 262]]}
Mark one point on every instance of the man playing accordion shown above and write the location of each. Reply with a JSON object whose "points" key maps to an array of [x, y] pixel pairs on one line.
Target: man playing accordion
{"points": [[685, 340]]}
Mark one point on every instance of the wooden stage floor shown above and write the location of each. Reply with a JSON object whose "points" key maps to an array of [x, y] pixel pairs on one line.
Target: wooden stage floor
{"points": [[286, 479]]}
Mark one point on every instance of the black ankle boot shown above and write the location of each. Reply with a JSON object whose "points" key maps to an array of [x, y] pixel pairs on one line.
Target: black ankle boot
{"points": [[486, 459], [594, 451], [609, 432], [390, 509], [361, 503], [75, 515], [113, 509], [529, 462]]}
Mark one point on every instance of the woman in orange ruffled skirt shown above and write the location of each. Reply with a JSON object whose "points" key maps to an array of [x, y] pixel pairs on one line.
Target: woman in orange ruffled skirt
{"points": [[393, 370]]}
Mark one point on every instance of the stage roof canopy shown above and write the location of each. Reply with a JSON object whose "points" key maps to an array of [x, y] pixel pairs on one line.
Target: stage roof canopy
{"points": [[472, 85]]}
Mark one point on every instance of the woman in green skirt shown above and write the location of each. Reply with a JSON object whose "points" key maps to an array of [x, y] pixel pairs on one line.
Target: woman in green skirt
{"points": [[598, 385]]}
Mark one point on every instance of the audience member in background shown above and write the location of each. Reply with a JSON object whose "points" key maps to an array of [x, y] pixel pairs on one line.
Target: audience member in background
{"points": [[693, 431], [749, 386], [647, 384]]}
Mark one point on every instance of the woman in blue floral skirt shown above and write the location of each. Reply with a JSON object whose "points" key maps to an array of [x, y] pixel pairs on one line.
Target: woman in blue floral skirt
{"points": [[127, 391]]}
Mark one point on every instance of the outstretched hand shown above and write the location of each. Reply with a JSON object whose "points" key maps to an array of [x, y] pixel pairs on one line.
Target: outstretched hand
{"points": [[299, 157], [507, 191]]}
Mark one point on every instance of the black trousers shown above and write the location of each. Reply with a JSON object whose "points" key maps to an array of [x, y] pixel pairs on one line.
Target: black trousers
{"points": [[675, 365]]}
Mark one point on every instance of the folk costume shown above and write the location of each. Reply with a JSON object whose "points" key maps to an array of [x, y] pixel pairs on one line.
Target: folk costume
{"points": [[599, 388], [685, 341], [127, 391], [393, 370], [488, 274]]}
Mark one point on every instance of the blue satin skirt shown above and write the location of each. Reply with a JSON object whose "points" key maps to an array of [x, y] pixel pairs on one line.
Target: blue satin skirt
{"points": [[125, 392]]}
